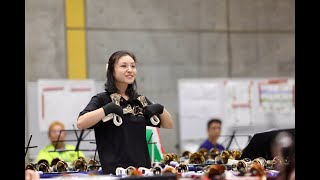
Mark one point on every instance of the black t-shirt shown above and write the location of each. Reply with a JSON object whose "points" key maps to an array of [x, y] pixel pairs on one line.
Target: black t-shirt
{"points": [[124, 145]]}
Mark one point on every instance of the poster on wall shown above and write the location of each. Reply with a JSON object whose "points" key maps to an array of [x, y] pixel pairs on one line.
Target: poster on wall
{"points": [[238, 102], [62, 100], [245, 105], [277, 95]]}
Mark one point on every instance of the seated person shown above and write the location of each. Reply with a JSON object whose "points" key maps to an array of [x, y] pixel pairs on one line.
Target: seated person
{"points": [[214, 130], [53, 134]]}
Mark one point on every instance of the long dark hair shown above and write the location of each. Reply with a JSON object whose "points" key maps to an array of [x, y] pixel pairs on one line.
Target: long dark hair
{"points": [[110, 85]]}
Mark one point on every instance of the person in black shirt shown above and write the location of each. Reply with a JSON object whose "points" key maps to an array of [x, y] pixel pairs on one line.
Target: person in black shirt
{"points": [[119, 117]]}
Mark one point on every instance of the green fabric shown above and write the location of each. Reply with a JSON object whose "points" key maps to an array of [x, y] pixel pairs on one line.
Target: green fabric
{"points": [[67, 156], [157, 156]]}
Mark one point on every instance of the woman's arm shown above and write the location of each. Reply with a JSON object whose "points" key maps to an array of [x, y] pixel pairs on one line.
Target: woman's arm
{"points": [[166, 120], [91, 118]]}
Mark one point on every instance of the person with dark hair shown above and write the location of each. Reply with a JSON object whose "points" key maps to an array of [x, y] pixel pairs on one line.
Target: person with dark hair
{"points": [[119, 117], [213, 130]]}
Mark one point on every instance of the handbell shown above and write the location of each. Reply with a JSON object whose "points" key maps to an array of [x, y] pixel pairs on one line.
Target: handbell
{"points": [[54, 161], [144, 170], [234, 167], [120, 171], [175, 157], [260, 161], [236, 154], [130, 170], [225, 156], [80, 165], [196, 158], [182, 168], [213, 171], [43, 161], [44, 167], [186, 154], [157, 169], [31, 166], [269, 165], [243, 166], [247, 160], [93, 165], [218, 159], [168, 157], [256, 169], [204, 152], [154, 119], [213, 152], [115, 97], [61, 166]]}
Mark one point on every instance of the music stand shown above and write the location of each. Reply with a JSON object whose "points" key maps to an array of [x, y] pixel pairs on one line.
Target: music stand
{"points": [[28, 147], [80, 134], [232, 138]]}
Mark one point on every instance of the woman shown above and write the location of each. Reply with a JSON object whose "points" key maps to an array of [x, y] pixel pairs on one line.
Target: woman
{"points": [[119, 117]]}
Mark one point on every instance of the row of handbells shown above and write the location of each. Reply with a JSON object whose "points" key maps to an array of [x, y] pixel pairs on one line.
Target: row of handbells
{"points": [[197, 161], [58, 165], [210, 163]]}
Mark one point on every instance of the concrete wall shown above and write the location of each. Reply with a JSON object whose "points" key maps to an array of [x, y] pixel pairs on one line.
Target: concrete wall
{"points": [[172, 39]]}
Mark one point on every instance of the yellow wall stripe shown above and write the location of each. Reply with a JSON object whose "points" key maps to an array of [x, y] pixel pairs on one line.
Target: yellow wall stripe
{"points": [[75, 17], [76, 54], [76, 39]]}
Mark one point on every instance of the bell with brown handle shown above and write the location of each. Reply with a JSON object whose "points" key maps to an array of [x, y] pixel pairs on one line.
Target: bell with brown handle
{"points": [[154, 119]]}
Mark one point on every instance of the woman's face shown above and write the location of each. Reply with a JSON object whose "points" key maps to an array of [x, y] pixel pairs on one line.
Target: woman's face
{"points": [[125, 70]]}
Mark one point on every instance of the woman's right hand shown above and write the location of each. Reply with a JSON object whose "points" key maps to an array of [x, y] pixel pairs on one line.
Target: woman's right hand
{"points": [[113, 108]]}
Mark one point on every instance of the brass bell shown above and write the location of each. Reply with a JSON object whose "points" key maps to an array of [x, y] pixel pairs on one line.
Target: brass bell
{"points": [[44, 167], [31, 166], [80, 165], [269, 165], [260, 161], [242, 166], [93, 165], [175, 157], [156, 170], [43, 161], [182, 168], [130, 170], [54, 161], [236, 154], [204, 152], [234, 167], [213, 152], [218, 159], [256, 169], [61, 166], [167, 158], [196, 158], [215, 170], [225, 156], [247, 160], [186, 154]]}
